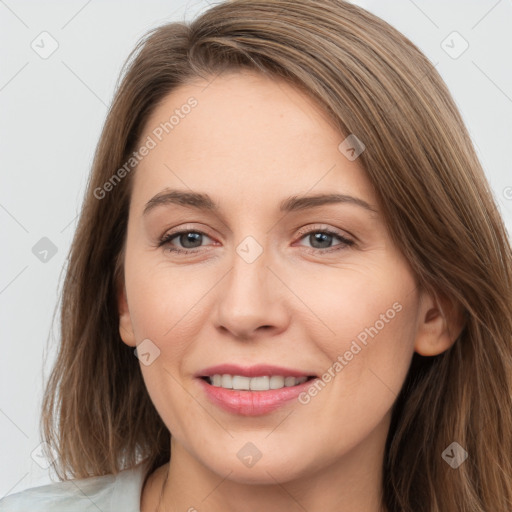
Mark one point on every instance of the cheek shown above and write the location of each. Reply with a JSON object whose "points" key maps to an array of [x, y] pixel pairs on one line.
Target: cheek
{"points": [[368, 361], [349, 301], [164, 306], [366, 327], [167, 307], [165, 300]]}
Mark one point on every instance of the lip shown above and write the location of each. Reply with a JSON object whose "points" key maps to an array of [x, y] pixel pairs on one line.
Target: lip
{"points": [[252, 371], [252, 403]]}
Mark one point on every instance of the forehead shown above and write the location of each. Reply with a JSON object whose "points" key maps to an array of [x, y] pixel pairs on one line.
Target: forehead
{"points": [[246, 135]]}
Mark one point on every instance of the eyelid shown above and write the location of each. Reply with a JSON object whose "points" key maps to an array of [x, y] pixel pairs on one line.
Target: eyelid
{"points": [[189, 227], [314, 228], [320, 227]]}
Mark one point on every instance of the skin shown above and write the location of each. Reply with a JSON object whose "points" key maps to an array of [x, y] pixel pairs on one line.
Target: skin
{"points": [[250, 143]]}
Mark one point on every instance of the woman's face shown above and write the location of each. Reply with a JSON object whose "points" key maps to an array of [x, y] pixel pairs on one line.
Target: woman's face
{"points": [[310, 287]]}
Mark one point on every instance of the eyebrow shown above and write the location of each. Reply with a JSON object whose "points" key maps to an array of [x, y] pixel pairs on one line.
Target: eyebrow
{"points": [[291, 204]]}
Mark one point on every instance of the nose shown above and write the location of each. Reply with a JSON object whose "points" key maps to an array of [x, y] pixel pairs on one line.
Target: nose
{"points": [[251, 300]]}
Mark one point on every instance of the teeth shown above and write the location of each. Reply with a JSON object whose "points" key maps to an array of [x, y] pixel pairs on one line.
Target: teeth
{"points": [[263, 383]]}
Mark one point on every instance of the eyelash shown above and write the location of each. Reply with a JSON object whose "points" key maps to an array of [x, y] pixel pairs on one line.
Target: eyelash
{"points": [[345, 242]]}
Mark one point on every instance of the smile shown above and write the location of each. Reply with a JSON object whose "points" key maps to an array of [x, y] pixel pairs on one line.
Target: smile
{"points": [[261, 383], [253, 402]]}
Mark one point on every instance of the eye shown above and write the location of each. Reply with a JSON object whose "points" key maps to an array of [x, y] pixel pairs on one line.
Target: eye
{"points": [[190, 240], [321, 240]]}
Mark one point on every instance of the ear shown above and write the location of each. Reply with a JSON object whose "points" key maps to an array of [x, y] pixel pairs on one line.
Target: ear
{"points": [[125, 321], [440, 322]]}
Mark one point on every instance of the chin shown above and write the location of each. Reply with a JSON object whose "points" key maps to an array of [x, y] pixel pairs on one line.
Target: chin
{"points": [[265, 471]]}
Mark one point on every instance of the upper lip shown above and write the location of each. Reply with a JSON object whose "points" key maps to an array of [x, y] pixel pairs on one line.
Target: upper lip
{"points": [[252, 371]]}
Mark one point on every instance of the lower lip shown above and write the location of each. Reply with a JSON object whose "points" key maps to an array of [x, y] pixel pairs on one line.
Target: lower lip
{"points": [[252, 403]]}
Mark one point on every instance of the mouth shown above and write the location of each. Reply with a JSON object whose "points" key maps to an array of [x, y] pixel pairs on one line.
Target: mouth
{"points": [[256, 383], [255, 390]]}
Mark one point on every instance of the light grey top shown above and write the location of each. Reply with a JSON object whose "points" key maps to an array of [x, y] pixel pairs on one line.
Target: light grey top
{"points": [[108, 493]]}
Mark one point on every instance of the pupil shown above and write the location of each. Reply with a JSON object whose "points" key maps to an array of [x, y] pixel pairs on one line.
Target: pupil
{"points": [[190, 237], [323, 238]]}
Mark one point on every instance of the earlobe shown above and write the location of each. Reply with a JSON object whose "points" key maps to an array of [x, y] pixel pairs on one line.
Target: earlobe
{"points": [[125, 322], [440, 322]]}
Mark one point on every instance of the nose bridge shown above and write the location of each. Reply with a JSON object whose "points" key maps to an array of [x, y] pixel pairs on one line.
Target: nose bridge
{"points": [[249, 297], [248, 281]]}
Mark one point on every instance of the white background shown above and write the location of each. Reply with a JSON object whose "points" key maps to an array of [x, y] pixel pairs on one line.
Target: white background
{"points": [[52, 112]]}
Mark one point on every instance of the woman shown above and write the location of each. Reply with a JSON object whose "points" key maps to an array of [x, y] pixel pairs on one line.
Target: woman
{"points": [[287, 223]]}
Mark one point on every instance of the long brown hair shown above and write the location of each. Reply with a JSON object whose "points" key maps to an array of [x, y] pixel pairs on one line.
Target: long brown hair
{"points": [[372, 82]]}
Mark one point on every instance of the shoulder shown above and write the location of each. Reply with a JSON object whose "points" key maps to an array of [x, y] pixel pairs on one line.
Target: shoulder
{"points": [[108, 493]]}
